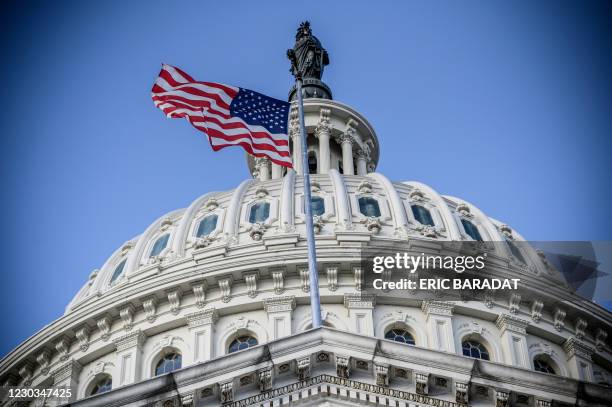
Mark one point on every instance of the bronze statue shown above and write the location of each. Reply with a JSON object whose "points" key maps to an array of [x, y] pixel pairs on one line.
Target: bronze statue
{"points": [[308, 57]]}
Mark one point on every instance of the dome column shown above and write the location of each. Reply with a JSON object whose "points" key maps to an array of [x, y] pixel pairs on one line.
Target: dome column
{"points": [[323, 133], [362, 160], [262, 166], [346, 142], [294, 133], [277, 171]]}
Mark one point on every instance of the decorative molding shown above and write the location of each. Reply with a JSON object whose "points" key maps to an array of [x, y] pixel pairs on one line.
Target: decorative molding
{"points": [[68, 370], [305, 278], [201, 318], [187, 399], [199, 292], [303, 368], [257, 230], [131, 340], [83, 334], [381, 373], [332, 277], [174, 298], [373, 224], [358, 276], [462, 392], [559, 319], [359, 300], [342, 366], [44, 360], [515, 303], [104, 325], [250, 280], [63, 347], [127, 316], [511, 323], [574, 347], [279, 304], [26, 371], [150, 308], [600, 339], [264, 377], [437, 308], [225, 285], [422, 383], [536, 310], [226, 392], [501, 398], [347, 383], [278, 279], [580, 328]]}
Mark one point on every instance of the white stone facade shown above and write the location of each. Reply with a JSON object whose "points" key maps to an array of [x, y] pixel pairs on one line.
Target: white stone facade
{"points": [[242, 278]]}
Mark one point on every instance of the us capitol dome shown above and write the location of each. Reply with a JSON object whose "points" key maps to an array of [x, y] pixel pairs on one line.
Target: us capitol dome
{"points": [[210, 304]]}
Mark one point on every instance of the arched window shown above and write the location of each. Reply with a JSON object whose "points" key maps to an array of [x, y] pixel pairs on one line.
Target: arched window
{"points": [[516, 252], [400, 335], [160, 244], [474, 349], [422, 215], [170, 362], [259, 212], [542, 364], [207, 225], [369, 207], [317, 205], [118, 271], [102, 385], [312, 162], [471, 230], [242, 342]]}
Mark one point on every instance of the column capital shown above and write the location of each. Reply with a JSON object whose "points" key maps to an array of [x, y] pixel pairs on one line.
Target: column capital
{"points": [[324, 125], [345, 138], [511, 323], [279, 304], [437, 308], [574, 347], [205, 317], [131, 340], [359, 300]]}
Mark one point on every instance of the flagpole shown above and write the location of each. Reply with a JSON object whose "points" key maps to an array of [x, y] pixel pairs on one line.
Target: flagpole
{"points": [[315, 301]]}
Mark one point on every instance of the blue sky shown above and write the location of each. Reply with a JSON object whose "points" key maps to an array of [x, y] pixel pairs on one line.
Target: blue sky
{"points": [[507, 104]]}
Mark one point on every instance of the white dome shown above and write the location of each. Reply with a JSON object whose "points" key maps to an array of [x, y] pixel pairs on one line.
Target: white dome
{"points": [[229, 272], [340, 194]]}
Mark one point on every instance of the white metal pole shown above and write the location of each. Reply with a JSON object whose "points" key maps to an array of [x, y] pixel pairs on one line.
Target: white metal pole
{"points": [[315, 300]]}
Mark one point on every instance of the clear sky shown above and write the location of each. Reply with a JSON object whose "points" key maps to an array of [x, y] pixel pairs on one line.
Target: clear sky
{"points": [[507, 104]]}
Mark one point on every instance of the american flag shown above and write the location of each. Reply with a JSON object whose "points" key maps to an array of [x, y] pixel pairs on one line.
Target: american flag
{"points": [[228, 115]]}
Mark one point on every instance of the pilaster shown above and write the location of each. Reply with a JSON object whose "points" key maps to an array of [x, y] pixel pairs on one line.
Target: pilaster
{"points": [[201, 324], [513, 335], [579, 359], [279, 310], [360, 312], [439, 318], [129, 357]]}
